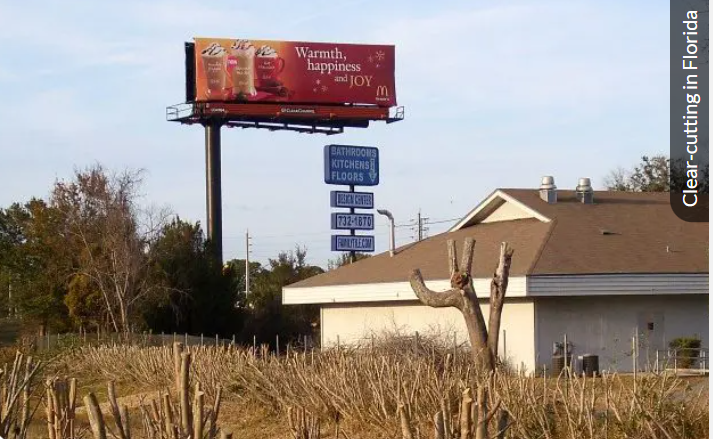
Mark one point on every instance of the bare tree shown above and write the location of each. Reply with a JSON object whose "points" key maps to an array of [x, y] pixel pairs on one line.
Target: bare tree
{"points": [[483, 340], [112, 236], [617, 180]]}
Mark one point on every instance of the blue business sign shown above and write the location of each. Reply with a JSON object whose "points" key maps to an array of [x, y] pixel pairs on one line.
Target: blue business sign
{"points": [[347, 243], [356, 200], [352, 221], [351, 165]]}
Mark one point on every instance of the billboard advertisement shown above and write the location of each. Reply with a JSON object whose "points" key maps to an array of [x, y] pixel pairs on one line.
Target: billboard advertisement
{"points": [[244, 71]]}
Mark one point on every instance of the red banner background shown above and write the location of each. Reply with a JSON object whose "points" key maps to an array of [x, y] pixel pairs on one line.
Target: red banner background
{"points": [[230, 70]]}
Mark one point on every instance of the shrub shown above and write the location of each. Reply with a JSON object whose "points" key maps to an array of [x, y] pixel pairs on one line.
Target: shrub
{"points": [[687, 350]]}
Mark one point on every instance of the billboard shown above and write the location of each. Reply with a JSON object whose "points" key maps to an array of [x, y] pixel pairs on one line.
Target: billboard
{"points": [[245, 71]]}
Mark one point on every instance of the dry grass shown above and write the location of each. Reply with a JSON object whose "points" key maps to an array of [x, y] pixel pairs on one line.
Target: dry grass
{"points": [[151, 368], [362, 389]]}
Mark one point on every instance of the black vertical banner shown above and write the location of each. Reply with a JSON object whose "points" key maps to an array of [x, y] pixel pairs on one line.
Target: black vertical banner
{"points": [[689, 109]]}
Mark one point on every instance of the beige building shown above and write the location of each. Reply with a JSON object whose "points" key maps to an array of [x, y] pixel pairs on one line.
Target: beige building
{"points": [[597, 266]]}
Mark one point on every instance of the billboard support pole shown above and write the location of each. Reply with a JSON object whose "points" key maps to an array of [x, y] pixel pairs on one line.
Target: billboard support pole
{"points": [[214, 211], [352, 254]]}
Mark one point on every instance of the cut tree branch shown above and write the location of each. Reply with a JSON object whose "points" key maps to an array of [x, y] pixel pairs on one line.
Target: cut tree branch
{"points": [[433, 298]]}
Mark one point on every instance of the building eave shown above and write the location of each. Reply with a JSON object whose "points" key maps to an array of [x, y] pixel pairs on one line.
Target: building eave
{"points": [[384, 292], [532, 286]]}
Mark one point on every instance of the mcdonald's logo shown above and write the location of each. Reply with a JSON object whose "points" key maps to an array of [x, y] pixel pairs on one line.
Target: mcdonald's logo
{"points": [[382, 90]]}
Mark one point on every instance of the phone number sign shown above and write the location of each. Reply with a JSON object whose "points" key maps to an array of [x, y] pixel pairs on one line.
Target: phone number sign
{"points": [[352, 221]]}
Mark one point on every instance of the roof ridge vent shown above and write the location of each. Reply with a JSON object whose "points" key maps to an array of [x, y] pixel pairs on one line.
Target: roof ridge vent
{"points": [[548, 190], [584, 191]]}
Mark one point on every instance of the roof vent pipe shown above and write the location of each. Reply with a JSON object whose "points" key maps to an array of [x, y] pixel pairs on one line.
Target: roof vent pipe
{"points": [[584, 191], [548, 190]]}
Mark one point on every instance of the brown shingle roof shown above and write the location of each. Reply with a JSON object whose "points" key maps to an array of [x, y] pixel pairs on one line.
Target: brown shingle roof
{"points": [[620, 233], [638, 226], [430, 255]]}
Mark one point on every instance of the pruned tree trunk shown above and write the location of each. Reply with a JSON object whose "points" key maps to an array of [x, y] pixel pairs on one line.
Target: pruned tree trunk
{"points": [[462, 295], [439, 428], [96, 420], [465, 420], [498, 287], [122, 423], [162, 419], [406, 430]]}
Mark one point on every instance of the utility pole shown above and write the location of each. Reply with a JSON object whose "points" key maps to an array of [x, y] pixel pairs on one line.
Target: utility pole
{"points": [[247, 263], [420, 223]]}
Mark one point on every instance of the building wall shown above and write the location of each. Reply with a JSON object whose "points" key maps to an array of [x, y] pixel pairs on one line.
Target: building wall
{"points": [[355, 322], [505, 212], [605, 326], [645, 284]]}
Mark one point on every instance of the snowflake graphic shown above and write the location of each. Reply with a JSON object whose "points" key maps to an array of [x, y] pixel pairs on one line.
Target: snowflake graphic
{"points": [[324, 88], [314, 90], [318, 82], [380, 55]]}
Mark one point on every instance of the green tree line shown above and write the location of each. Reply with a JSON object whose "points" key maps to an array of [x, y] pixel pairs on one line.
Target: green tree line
{"points": [[91, 257]]}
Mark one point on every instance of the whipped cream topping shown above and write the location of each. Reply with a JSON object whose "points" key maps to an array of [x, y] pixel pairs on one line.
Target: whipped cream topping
{"points": [[266, 51], [242, 45], [214, 49]]}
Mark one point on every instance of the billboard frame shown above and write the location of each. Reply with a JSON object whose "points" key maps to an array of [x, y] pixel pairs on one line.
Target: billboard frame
{"points": [[324, 119], [293, 116]]}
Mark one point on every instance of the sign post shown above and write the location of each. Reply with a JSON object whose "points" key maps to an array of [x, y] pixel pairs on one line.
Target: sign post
{"points": [[352, 166], [214, 202], [352, 254]]}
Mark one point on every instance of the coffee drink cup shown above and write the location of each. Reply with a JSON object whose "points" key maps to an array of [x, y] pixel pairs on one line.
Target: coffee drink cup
{"points": [[268, 66], [241, 64], [214, 63]]}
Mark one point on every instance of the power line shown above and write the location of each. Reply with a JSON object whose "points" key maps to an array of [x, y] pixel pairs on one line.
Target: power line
{"points": [[425, 222], [296, 234], [270, 244], [450, 220]]}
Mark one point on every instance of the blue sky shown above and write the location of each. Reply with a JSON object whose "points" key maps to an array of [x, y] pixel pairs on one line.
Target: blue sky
{"points": [[497, 94]]}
